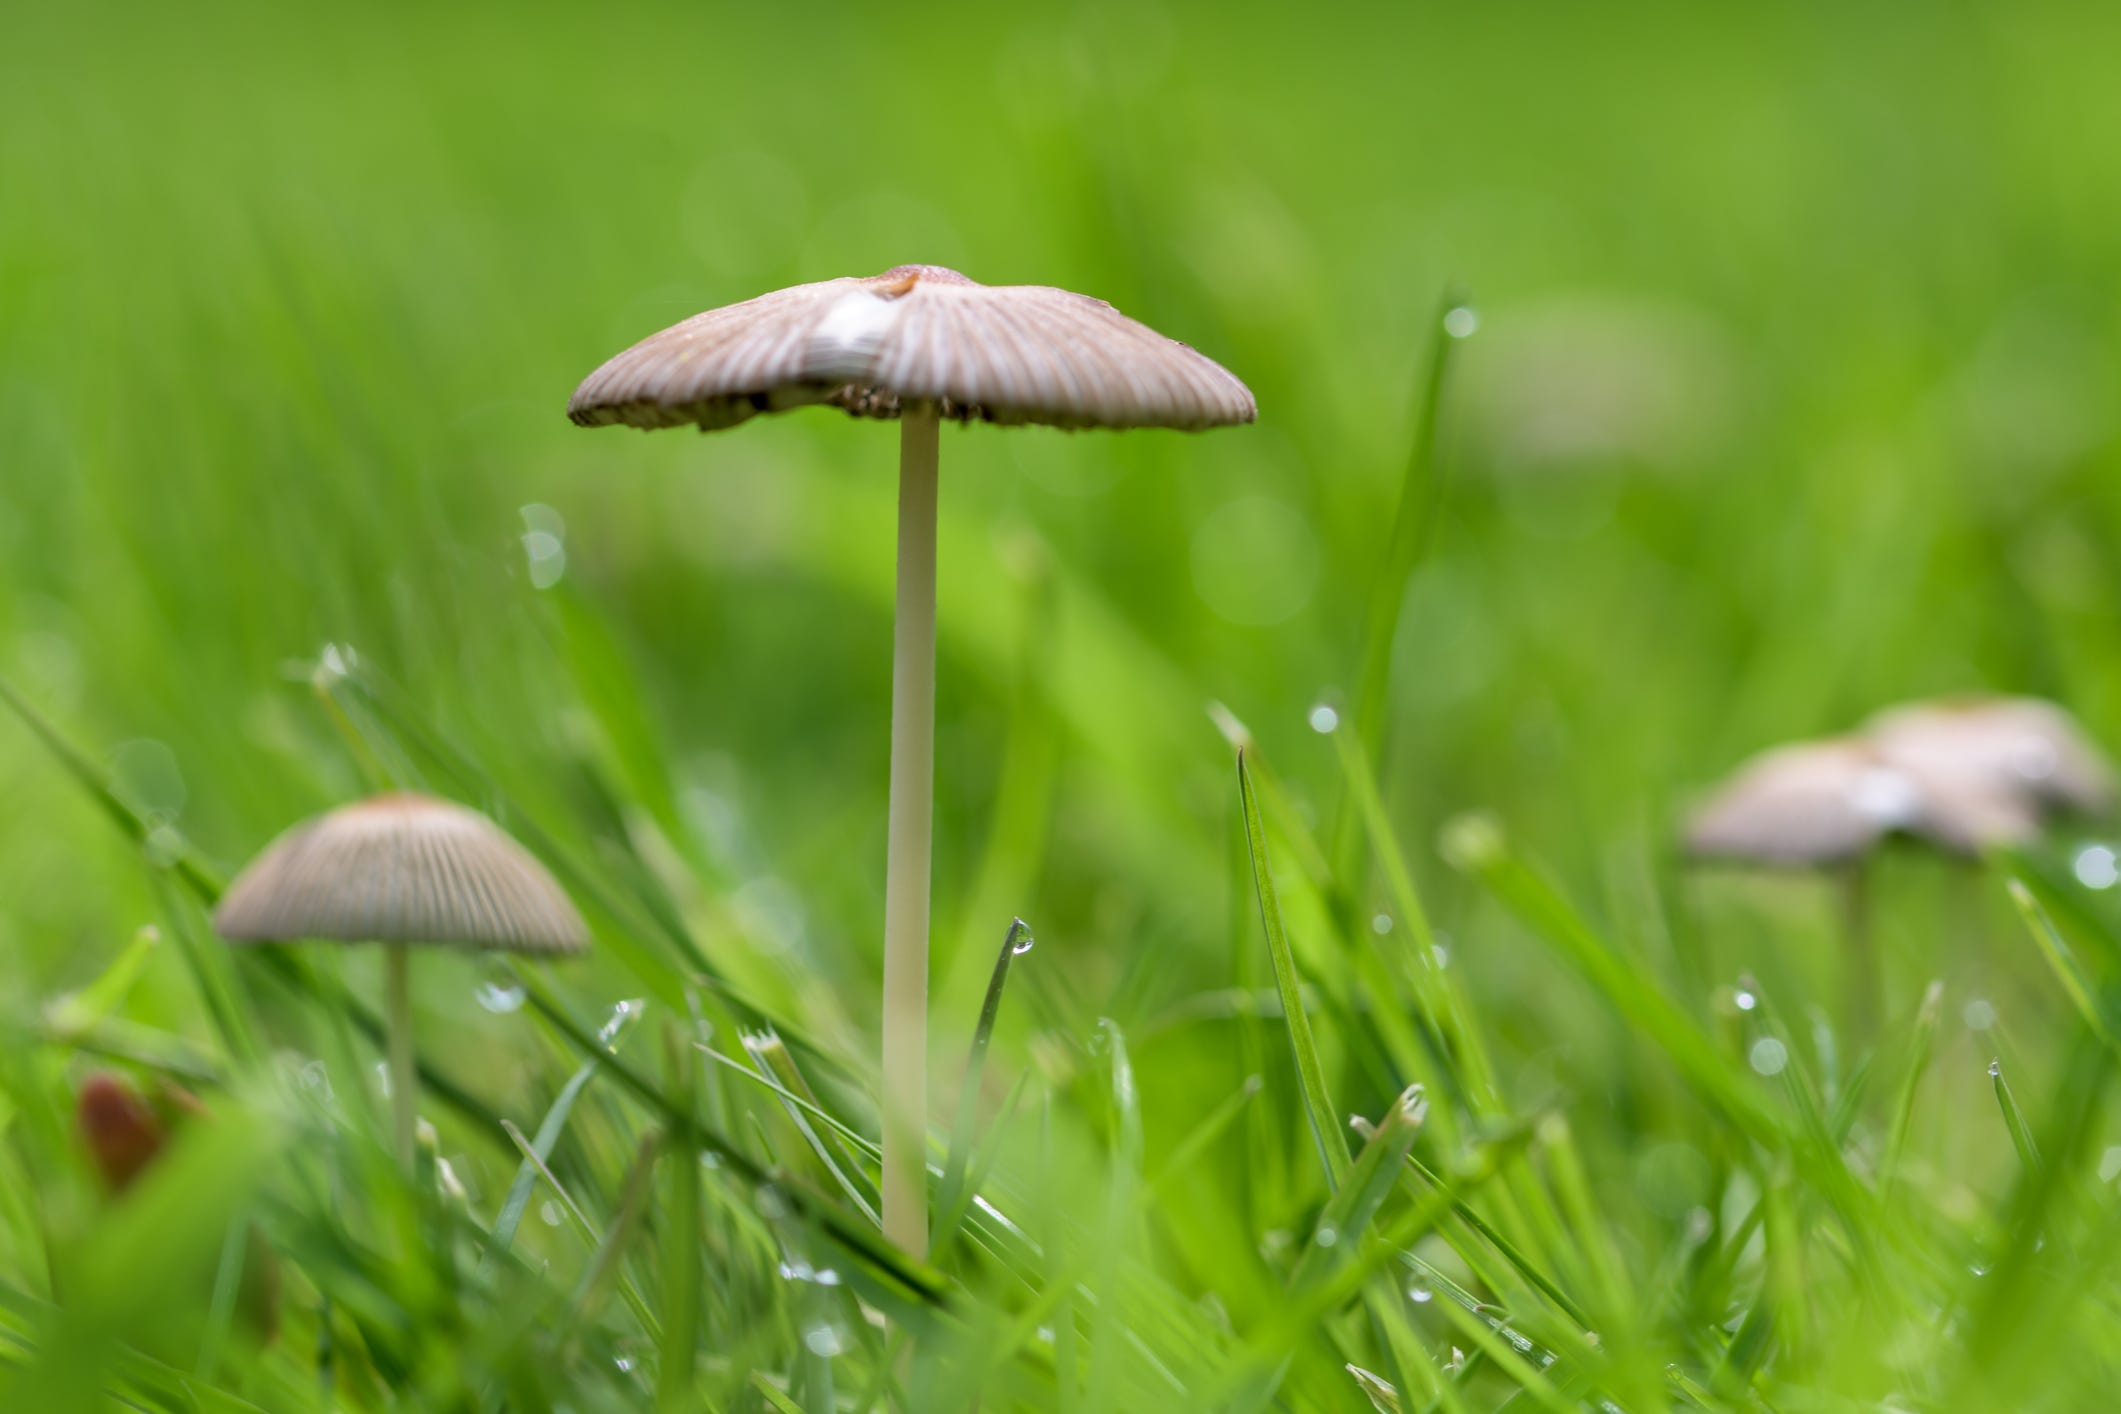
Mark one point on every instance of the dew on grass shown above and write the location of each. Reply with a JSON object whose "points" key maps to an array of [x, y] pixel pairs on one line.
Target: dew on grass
{"points": [[1768, 1056], [549, 1213], [625, 1364], [1978, 1268], [622, 1016], [1461, 321], [1324, 719], [1381, 924], [1979, 1015], [2110, 1164], [383, 1079], [315, 1077], [1995, 1069], [1442, 955], [1744, 1000], [825, 1341], [1420, 1294], [1024, 940], [1328, 1236], [546, 557], [2096, 867], [500, 998]]}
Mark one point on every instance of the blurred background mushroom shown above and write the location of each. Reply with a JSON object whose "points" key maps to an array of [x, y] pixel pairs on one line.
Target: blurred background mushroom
{"points": [[1963, 774], [921, 344], [405, 871]]}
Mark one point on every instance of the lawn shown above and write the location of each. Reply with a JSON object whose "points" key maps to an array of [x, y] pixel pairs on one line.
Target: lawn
{"points": [[1639, 386]]}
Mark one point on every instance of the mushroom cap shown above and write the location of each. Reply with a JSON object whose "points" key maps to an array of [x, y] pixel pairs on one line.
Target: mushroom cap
{"points": [[401, 869], [2017, 746], [1811, 803], [916, 333], [1826, 802]]}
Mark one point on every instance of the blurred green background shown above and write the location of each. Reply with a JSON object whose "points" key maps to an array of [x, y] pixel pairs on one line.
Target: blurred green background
{"points": [[1793, 395]]}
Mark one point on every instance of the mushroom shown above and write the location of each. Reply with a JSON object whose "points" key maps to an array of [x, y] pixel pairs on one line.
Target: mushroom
{"points": [[921, 344], [403, 870], [2017, 746]]}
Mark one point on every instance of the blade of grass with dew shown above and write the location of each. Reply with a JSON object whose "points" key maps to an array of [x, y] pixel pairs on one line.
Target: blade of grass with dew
{"points": [[2013, 1121], [800, 1102], [907, 1279], [1311, 1074], [1342, 1226], [2061, 960], [526, 1177], [1016, 940]]}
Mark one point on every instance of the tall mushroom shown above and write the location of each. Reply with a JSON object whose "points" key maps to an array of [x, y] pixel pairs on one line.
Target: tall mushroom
{"points": [[405, 871], [921, 344]]}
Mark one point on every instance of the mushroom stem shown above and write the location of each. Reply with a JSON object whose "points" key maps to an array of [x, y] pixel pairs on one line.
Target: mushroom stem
{"points": [[905, 1099], [404, 1077]]}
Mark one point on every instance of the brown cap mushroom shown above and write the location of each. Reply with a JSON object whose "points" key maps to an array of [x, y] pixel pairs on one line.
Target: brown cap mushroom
{"points": [[921, 344], [916, 334], [405, 871], [2017, 746]]}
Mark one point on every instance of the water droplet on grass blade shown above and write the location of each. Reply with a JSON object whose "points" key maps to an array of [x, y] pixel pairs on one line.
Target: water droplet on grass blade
{"points": [[1024, 941], [1419, 1294], [1768, 1056], [1381, 924], [549, 1213], [500, 998], [622, 1016], [1744, 1000], [825, 1341], [1995, 1069], [1324, 719], [2096, 867], [1979, 1015], [1461, 321]]}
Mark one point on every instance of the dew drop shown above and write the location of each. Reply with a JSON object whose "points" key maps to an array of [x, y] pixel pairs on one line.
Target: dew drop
{"points": [[1768, 1056], [1979, 1015], [622, 1016], [1024, 940], [824, 1341], [500, 998], [1461, 321], [1381, 924], [549, 1213], [625, 1364], [1324, 719], [1420, 1295], [1744, 1000], [1995, 1069], [1328, 1235], [2096, 867]]}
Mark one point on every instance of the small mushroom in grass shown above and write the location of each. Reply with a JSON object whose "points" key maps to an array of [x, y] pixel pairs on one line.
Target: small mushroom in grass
{"points": [[125, 1133], [405, 871], [2017, 746], [920, 344], [1962, 774]]}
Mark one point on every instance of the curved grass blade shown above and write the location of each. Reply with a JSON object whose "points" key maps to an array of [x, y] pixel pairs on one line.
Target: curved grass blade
{"points": [[1311, 1075], [1016, 940], [2014, 1120]]}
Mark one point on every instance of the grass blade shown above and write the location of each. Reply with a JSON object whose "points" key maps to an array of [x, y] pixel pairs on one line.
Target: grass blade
{"points": [[1311, 1075], [1015, 942]]}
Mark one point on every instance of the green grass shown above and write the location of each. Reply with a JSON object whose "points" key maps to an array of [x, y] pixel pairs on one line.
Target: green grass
{"points": [[1792, 395]]}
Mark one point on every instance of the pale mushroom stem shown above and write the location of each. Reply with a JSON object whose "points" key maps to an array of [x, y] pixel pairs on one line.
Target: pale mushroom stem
{"points": [[404, 1077], [905, 1100]]}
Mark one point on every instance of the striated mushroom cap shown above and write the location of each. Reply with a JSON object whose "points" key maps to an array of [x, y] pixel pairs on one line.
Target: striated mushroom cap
{"points": [[2018, 746], [916, 333], [401, 869]]}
